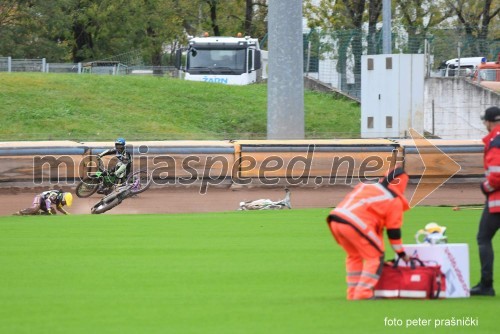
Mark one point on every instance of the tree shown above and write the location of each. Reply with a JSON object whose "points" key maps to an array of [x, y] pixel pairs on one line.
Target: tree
{"points": [[105, 28], [9, 13], [161, 23], [345, 19], [255, 16], [418, 17], [212, 4], [84, 30], [223, 18], [476, 16], [11, 16], [25, 32], [374, 12], [355, 10], [226, 18]]}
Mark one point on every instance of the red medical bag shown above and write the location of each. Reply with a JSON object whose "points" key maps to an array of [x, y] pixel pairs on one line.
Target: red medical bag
{"points": [[415, 281]]}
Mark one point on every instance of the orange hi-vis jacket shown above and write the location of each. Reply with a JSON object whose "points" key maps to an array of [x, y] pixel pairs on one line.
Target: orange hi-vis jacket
{"points": [[491, 187], [369, 208]]}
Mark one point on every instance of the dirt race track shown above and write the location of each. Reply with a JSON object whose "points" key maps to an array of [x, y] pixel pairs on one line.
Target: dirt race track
{"points": [[184, 200]]}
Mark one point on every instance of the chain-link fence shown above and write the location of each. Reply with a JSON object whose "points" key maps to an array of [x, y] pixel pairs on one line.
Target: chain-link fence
{"points": [[334, 57]]}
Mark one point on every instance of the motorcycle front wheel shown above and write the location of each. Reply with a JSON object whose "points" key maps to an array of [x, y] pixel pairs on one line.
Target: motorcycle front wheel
{"points": [[139, 181]]}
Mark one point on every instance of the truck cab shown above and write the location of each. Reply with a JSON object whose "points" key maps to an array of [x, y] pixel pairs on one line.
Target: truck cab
{"points": [[487, 74], [488, 71], [225, 60], [460, 67]]}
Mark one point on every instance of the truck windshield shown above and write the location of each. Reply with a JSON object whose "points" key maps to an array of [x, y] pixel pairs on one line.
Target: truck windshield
{"points": [[218, 60], [487, 74]]}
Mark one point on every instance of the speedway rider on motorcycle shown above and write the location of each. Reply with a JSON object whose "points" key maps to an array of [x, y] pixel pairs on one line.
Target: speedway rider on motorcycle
{"points": [[124, 164]]}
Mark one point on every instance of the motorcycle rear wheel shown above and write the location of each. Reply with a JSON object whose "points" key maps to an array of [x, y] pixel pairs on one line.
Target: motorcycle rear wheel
{"points": [[87, 187]]}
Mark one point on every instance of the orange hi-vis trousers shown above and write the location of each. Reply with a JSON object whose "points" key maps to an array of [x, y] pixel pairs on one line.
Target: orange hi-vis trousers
{"points": [[363, 262]]}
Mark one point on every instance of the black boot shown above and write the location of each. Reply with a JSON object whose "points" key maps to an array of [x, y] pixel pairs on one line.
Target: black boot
{"points": [[482, 290], [100, 190]]}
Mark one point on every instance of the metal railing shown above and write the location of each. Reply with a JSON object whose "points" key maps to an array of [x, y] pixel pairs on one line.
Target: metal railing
{"points": [[7, 64]]}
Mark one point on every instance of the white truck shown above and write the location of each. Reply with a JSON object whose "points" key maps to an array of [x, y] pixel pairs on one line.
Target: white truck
{"points": [[460, 66], [224, 60]]}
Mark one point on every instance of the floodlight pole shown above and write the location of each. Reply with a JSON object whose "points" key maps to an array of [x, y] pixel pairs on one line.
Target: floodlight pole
{"points": [[386, 27], [285, 86]]}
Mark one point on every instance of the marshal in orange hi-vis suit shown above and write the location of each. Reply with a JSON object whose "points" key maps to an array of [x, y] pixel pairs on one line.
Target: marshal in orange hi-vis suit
{"points": [[357, 224]]}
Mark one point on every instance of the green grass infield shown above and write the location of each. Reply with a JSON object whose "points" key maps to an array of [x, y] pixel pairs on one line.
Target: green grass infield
{"points": [[232, 272]]}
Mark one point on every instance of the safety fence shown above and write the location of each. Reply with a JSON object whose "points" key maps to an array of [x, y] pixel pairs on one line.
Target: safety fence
{"points": [[334, 56], [331, 56], [246, 163], [7, 64]]}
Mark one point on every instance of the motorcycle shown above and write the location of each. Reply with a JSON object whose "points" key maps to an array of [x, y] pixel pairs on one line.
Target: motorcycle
{"points": [[100, 180], [136, 183], [267, 204]]}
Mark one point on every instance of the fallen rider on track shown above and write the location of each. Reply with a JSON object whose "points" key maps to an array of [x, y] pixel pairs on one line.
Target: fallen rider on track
{"points": [[267, 204], [47, 202]]}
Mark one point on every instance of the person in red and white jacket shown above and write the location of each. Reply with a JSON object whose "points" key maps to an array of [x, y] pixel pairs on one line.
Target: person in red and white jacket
{"points": [[490, 219]]}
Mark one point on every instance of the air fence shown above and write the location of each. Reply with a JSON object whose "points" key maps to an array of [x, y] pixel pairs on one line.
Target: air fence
{"points": [[240, 163]]}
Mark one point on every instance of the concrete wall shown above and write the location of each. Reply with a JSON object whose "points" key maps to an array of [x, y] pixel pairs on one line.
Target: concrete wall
{"points": [[319, 86], [453, 106]]}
